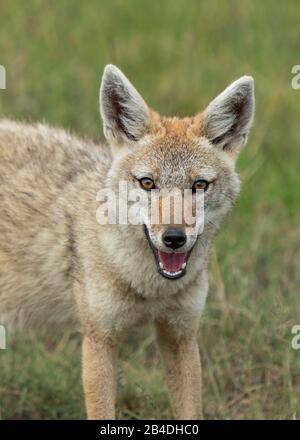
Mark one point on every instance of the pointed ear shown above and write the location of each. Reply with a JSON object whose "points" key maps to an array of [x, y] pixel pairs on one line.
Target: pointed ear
{"points": [[228, 118], [124, 113]]}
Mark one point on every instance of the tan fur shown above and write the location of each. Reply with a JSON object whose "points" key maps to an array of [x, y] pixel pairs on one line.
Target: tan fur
{"points": [[59, 267]]}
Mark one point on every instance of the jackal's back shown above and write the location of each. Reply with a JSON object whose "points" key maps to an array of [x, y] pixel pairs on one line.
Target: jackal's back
{"points": [[38, 165]]}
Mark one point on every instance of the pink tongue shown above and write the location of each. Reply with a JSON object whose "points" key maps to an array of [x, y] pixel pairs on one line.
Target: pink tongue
{"points": [[172, 262]]}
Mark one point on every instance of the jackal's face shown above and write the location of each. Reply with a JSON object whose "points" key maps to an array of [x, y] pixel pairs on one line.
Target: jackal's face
{"points": [[184, 168]]}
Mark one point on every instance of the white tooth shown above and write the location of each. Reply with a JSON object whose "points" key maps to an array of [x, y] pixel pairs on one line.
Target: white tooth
{"points": [[183, 266], [172, 274], [160, 265]]}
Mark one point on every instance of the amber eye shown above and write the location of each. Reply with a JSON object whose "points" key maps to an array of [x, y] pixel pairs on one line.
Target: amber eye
{"points": [[147, 183], [200, 184]]}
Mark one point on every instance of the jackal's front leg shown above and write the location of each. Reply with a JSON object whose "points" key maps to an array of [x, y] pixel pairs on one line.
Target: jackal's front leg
{"points": [[183, 370], [99, 376]]}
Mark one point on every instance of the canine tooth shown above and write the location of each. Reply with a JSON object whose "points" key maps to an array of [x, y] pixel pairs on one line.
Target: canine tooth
{"points": [[160, 265], [184, 265]]}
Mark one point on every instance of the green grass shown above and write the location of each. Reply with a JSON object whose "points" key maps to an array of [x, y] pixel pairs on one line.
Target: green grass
{"points": [[179, 54]]}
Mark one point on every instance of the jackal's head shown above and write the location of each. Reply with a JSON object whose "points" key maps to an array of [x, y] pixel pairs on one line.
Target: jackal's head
{"points": [[159, 154]]}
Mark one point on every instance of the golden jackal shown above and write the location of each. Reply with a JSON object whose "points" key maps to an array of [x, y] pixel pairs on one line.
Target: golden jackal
{"points": [[59, 266]]}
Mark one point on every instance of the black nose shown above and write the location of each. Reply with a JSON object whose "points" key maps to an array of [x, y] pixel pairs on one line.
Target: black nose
{"points": [[174, 238]]}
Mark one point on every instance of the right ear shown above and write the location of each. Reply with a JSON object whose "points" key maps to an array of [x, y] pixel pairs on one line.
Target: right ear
{"points": [[125, 115], [228, 118]]}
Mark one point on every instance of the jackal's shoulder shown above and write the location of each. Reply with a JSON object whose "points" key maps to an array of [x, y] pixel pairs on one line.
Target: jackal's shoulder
{"points": [[38, 146]]}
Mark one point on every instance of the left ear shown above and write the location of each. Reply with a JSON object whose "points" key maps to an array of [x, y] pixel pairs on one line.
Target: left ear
{"points": [[228, 118], [125, 114]]}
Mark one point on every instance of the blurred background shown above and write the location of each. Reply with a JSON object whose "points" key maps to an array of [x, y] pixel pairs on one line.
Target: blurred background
{"points": [[179, 54]]}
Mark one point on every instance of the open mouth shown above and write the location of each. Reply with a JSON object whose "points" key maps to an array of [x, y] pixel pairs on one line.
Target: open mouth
{"points": [[171, 265]]}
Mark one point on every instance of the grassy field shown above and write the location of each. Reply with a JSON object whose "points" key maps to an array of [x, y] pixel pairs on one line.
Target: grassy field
{"points": [[179, 54]]}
